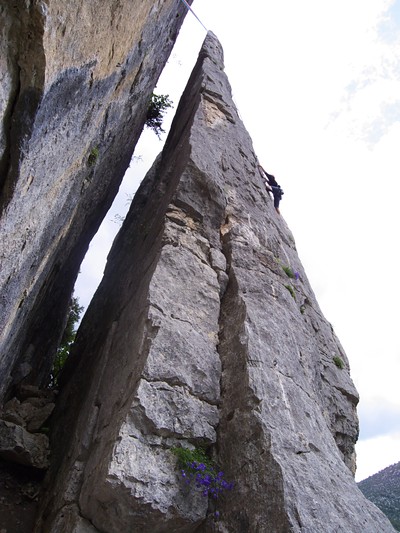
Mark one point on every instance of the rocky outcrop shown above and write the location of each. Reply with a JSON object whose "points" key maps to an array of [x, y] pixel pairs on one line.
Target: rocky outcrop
{"points": [[19, 446], [22, 428], [76, 78], [206, 333]]}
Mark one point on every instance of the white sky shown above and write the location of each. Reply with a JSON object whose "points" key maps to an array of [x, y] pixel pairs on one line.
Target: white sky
{"points": [[317, 84]]}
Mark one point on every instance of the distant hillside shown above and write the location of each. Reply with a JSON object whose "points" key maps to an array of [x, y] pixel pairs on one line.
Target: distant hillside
{"points": [[383, 489]]}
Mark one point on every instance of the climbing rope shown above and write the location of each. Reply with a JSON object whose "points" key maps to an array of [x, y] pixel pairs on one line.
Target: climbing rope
{"points": [[190, 9]]}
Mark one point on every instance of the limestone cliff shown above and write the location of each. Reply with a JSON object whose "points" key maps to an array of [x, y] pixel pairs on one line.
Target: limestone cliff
{"points": [[200, 335], [76, 78]]}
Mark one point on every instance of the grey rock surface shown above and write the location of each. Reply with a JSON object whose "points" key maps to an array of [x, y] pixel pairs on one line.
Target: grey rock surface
{"points": [[32, 413], [76, 79], [198, 336], [21, 425], [20, 446]]}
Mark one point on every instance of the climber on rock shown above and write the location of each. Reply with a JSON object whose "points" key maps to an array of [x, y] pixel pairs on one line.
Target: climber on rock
{"points": [[272, 187]]}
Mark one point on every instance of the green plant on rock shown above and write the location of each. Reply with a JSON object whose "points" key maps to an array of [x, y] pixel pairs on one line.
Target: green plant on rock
{"points": [[338, 361], [288, 271], [196, 467], [291, 290], [67, 341], [158, 105], [188, 455], [93, 156]]}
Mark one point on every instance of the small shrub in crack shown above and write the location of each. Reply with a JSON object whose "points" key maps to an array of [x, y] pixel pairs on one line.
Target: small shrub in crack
{"points": [[291, 290], [93, 156], [338, 361], [158, 105]]}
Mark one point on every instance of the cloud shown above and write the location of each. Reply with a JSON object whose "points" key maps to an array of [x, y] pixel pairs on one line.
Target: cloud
{"points": [[389, 26], [378, 417], [376, 454], [359, 84], [389, 115], [370, 103]]}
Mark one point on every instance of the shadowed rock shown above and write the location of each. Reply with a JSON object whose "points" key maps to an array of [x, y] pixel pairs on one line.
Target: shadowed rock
{"points": [[76, 80]]}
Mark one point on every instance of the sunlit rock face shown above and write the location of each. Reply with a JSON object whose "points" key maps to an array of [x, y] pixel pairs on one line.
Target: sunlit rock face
{"points": [[205, 332], [76, 78]]}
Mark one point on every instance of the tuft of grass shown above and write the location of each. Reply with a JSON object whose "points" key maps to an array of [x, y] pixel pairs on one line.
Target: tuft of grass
{"points": [[185, 456], [291, 290], [338, 361], [93, 156], [288, 271]]}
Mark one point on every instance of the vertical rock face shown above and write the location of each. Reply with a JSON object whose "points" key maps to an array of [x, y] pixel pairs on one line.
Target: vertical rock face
{"points": [[200, 336], [76, 78]]}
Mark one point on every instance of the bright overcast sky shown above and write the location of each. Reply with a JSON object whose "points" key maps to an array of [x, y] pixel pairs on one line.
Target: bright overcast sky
{"points": [[317, 84]]}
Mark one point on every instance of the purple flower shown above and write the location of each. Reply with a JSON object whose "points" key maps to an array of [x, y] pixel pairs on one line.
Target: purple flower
{"points": [[210, 481]]}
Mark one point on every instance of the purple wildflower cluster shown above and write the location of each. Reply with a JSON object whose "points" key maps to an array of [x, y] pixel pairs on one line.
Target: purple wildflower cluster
{"points": [[206, 478]]}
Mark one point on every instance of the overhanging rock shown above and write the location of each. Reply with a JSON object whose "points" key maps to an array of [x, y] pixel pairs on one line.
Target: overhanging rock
{"points": [[76, 80], [198, 335]]}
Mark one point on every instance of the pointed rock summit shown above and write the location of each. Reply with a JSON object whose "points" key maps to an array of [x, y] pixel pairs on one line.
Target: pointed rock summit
{"points": [[205, 333]]}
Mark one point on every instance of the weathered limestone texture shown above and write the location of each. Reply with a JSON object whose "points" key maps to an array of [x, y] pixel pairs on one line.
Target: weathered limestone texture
{"points": [[75, 82], [198, 336]]}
